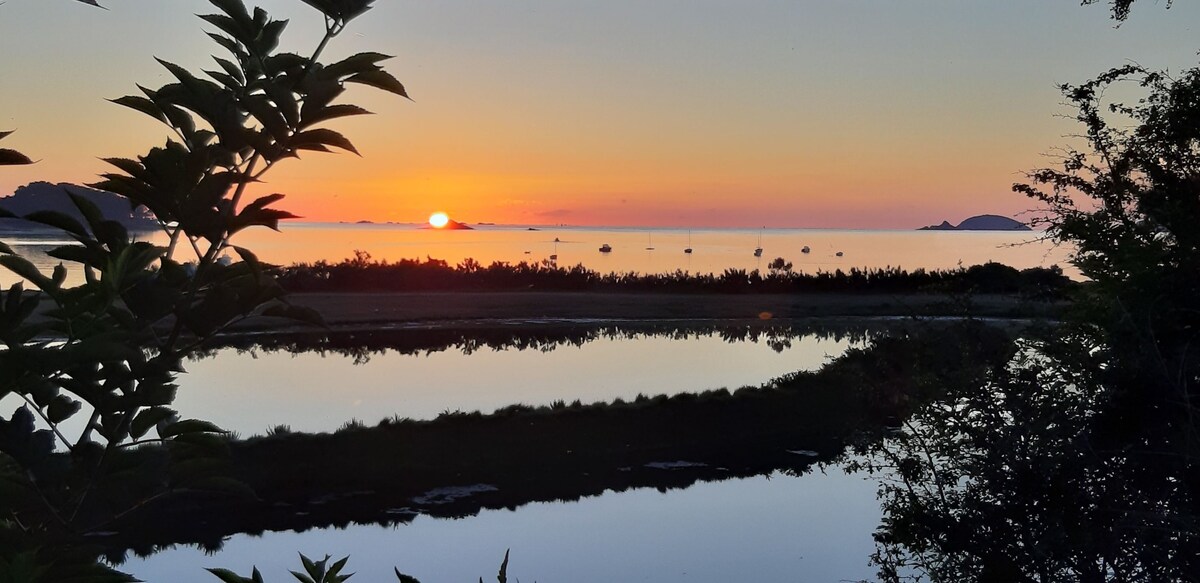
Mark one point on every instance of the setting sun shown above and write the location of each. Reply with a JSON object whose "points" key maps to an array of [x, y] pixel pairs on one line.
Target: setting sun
{"points": [[438, 220]]}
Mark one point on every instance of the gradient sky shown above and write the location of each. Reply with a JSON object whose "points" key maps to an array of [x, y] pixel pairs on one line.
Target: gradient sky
{"points": [[800, 113]]}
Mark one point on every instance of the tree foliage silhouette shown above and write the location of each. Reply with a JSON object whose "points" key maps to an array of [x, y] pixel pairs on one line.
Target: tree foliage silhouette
{"points": [[1120, 8], [107, 350], [1080, 459]]}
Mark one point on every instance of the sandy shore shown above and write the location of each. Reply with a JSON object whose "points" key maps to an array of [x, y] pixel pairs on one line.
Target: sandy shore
{"points": [[358, 310]]}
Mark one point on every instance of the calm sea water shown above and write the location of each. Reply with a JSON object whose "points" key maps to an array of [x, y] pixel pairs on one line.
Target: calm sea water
{"points": [[633, 249]]}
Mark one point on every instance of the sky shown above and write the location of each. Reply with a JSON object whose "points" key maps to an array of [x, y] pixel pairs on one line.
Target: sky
{"points": [[688, 113]]}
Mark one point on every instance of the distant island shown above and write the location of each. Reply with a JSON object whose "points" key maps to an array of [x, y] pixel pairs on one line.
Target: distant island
{"points": [[451, 225], [981, 223], [454, 225], [40, 196]]}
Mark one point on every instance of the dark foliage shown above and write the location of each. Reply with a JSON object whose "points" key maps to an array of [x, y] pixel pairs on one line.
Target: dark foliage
{"points": [[1120, 8], [12, 157], [119, 337], [364, 274], [565, 451], [1080, 459]]}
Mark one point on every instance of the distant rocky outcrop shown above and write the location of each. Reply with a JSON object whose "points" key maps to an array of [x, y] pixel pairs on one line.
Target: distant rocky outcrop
{"points": [[981, 223], [451, 225], [41, 196]]}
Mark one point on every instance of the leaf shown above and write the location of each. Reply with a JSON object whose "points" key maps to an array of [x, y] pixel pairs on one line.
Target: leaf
{"points": [[5, 249], [91, 213], [323, 137], [234, 8], [226, 80], [257, 213], [268, 38], [359, 63], [229, 44], [301, 577], [337, 566], [24, 268], [228, 576], [59, 220], [189, 426], [59, 276], [62, 408], [147, 419], [205, 441], [228, 25], [341, 10], [233, 70], [381, 80], [130, 167], [113, 234], [269, 116], [331, 112], [186, 78], [13, 158], [143, 105], [104, 347], [404, 578]]}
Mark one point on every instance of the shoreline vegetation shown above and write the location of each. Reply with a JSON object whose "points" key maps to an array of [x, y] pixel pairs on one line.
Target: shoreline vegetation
{"points": [[462, 462], [362, 293], [363, 273]]}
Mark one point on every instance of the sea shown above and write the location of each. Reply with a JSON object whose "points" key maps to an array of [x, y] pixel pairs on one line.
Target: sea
{"points": [[633, 249]]}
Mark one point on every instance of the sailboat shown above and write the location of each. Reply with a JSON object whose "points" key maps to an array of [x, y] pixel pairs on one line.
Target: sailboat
{"points": [[758, 250], [649, 243], [689, 247], [554, 256]]}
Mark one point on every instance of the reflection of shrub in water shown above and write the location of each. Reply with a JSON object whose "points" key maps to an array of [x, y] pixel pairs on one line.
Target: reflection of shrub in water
{"points": [[1028, 477], [362, 345], [571, 450]]}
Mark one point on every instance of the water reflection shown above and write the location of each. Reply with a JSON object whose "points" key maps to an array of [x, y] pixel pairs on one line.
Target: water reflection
{"points": [[461, 464], [545, 336], [781, 528], [319, 383], [1067, 464]]}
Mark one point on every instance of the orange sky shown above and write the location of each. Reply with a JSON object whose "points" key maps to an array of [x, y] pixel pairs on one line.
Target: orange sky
{"points": [[677, 113]]}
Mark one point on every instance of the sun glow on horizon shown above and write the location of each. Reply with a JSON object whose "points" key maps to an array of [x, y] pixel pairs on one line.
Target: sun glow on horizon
{"points": [[438, 220]]}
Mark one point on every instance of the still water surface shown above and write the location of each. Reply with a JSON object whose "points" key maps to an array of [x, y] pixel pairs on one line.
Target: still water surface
{"points": [[249, 391], [778, 528], [782, 527]]}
